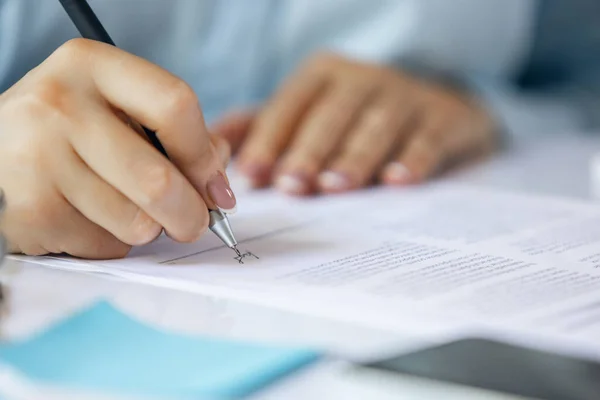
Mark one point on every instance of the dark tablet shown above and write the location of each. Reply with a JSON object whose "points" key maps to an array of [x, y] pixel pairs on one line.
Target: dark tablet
{"points": [[504, 368]]}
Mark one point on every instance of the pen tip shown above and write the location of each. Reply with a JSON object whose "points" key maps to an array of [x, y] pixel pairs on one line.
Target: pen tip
{"points": [[237, 251]]}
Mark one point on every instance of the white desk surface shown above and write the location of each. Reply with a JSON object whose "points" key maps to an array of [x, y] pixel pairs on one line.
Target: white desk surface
{"points": [[37, 296]]}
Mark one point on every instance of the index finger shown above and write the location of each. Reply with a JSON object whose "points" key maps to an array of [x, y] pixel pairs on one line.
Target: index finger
{"points": [[165, 104]]}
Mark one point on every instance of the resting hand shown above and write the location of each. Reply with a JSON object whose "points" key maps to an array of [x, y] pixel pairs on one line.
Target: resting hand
{"points": [[338, 125]]}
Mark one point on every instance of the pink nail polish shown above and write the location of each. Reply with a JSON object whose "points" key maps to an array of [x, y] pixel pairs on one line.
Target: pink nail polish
{"points": [[334, 181], [397, 173], [291, 184], [221, 193]]}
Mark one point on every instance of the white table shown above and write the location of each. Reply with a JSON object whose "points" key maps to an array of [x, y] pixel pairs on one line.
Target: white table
{"points": [[38, 296]]}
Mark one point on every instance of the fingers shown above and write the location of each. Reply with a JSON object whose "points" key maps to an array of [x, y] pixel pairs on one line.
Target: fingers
{"points": [[44, 222], [102, 204], [111, 189], [369, 143], [234, 128], [418, 160], [274, 127], [442, 136], [473, 135], [130, 164], [161, 102], [96, 243], [318, 136]]}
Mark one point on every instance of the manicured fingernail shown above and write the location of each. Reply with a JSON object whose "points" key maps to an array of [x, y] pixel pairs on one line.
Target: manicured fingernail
{"points": [[334, 181], [396, 173], [221, 193], [291, 184]]}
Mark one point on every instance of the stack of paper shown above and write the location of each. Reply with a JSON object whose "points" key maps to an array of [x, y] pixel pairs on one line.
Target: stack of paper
{"points": [[437, 256]]}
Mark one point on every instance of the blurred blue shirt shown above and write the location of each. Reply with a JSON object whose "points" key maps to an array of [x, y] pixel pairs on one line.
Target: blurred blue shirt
{"points": [[235, 52]]}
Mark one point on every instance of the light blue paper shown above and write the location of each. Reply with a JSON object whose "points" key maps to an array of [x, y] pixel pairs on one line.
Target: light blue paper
{"points": [[102, 349]]}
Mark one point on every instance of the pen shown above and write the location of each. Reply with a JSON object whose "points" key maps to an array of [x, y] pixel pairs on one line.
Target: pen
{"points": [[89, 26]]}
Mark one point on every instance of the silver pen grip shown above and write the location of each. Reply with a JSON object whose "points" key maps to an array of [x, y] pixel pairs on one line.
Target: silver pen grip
{"points": [[219, 225]]}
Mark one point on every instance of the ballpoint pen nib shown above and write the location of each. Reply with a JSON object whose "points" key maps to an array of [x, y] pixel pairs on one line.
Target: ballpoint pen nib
{"points": [[237, 251]]}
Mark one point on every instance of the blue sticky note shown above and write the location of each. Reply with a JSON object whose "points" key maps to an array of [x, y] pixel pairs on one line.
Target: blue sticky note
{"points": [[102, 349]]}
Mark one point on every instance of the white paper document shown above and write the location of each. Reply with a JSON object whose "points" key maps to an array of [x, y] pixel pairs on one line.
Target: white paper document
{"points": [[442, 254]]}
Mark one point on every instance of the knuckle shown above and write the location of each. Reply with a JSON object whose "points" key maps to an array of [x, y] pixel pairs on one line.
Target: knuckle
{"points": [[381, 121], [28, 151], [181, 102], [30, 147], [195, 227], [73, 50], [42, 115], [50, 99], [43, 100], [156, 184]]}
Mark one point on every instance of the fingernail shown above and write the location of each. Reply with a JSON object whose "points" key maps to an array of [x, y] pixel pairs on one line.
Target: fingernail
{"points": [[291, 184], [396, 173], [334, 181], [221, 194]]}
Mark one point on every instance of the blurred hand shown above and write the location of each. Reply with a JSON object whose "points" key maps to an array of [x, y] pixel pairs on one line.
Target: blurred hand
{"points": [[338, 125], [77, 175]]}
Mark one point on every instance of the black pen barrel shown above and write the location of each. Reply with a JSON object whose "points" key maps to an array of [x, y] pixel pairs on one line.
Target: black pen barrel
{"points": [[85, 21]]}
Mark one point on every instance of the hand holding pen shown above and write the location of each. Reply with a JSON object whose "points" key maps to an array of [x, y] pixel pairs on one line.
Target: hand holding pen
{"points": [[82, 178]]}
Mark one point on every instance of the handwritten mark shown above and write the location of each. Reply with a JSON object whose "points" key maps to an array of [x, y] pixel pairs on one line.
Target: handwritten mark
{"points": [[246, 254]]}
